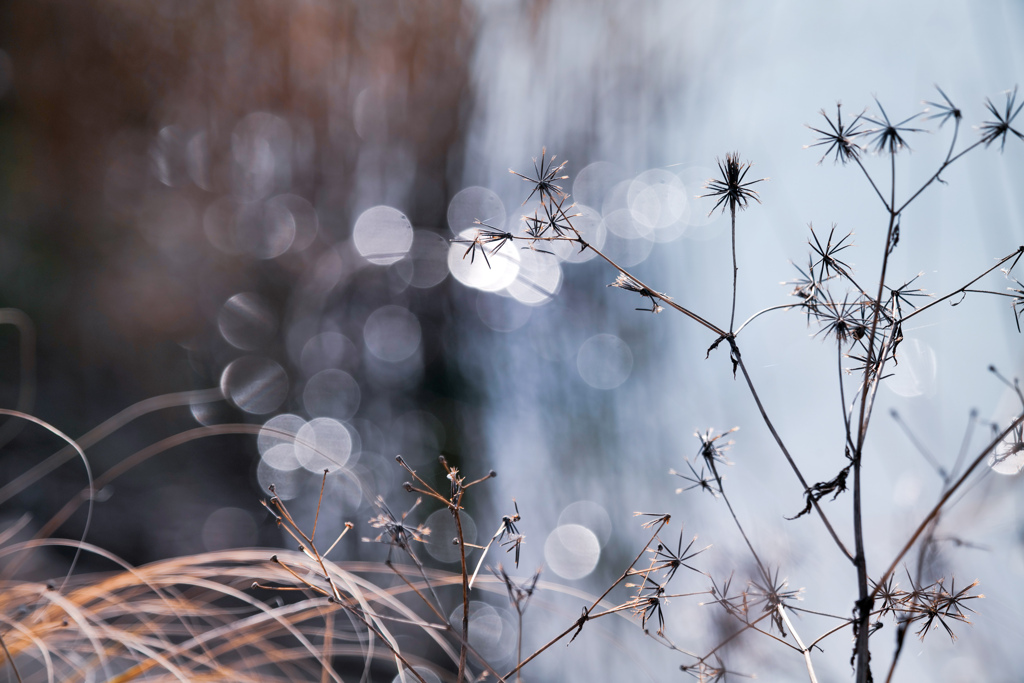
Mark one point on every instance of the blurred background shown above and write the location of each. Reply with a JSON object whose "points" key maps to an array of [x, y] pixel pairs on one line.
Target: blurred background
{"points": [[258, 198]]}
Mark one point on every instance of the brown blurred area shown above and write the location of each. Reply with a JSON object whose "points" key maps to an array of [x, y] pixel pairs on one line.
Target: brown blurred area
{"points": [[96, 81], [126, 121]]}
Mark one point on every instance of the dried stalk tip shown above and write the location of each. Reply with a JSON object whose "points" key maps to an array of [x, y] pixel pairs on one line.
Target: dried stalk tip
{"points": [[730, 189]]}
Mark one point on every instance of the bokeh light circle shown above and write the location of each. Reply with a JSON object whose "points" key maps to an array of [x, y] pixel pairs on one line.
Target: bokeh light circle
{"points": [[474, 204], [591, 515], [443, 531], [256, 384], [482, 267], [657, 199], [539, 278], [392, 333], [501, 313], [246, 321], [303, 217], [604, 361], [572, 551], [331, 393], [591, 227], [279, 430], [595, 181], [491, 631], [382, 235], [427, 263], [264, 230], [323, 444], [327, 350]]}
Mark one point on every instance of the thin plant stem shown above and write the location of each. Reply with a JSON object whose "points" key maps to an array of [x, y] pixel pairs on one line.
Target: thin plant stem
{"points": [[465, 593], [870, 373], [789, 458], [578, 624], [949, 160], [779, 307], [1015, 255], [937, 508], [7, 653], [735, 267], [757, 559], [796, 636]]}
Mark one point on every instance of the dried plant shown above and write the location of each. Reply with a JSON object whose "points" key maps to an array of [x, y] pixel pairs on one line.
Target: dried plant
{"points": [[246, 615], [865, 325]]}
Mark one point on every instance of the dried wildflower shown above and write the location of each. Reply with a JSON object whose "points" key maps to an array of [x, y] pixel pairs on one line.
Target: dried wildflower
{"points": [[843, 320], [997, 130], [902, 296], [488, 234], [734, 605], [508, 535], [1012, 446], [702, 481], [649, 603], [704, 672], [1018, 299], [944, 111], [890, 594], [486, 237], [519, 594], [671, 560], [554, 218], [771, 595], [839, 137], [545, 177], [395, 531], [657, 518], [629, 284], [730, 189], [889, 136], [868, 363], [827, 264], [713, 452], [807, 288], [935, 605]]}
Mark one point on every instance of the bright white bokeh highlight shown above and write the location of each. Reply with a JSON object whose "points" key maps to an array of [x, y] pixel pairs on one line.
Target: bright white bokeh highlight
{"points": [[572, 551], [491, 274], [323, 444], [382, 235]]}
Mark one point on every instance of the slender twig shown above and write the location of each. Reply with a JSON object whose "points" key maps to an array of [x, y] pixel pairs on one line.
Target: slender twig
{"points": [[796, 636], [937, 508], [735, 267], [465, 590], [10, 658], [789, 458], [1016, 254], [762, 312]]}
